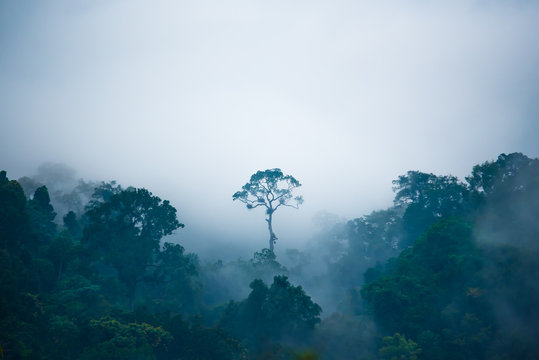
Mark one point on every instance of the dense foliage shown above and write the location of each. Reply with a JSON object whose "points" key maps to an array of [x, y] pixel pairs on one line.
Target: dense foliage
{"points": [[282, 312], [448, 272], [465, 289], [69, 294]]}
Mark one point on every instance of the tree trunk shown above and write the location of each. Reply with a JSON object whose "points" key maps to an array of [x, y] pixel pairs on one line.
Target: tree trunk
{"points": [[272, 238]]}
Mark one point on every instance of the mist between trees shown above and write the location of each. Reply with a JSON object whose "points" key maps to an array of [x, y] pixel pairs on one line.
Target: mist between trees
{"points": [[449, 271]]}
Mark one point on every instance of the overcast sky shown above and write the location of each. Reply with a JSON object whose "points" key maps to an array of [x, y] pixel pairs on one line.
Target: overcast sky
{"points": [[189, 98]]}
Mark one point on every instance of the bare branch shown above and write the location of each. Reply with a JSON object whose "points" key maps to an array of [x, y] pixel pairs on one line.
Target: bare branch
{"points": [[257, 205], [289, 205]]}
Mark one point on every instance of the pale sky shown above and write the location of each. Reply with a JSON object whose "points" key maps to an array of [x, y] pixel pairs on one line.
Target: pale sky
{"points": [[189, 98]]}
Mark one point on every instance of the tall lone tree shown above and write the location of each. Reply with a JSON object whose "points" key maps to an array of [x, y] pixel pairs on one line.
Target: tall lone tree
{"points": [[271, 189]]}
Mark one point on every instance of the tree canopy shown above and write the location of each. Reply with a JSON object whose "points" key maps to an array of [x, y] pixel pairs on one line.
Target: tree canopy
{"points": [[125, 232], [270, 312], [270, 189]]}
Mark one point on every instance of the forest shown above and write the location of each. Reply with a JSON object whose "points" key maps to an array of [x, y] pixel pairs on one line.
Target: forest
{"points": [[449, 271]]}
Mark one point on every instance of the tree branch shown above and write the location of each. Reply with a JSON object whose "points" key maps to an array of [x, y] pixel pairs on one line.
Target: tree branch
{"points": [[288, 191], [257, 205], [292, 206], [247, 201]]}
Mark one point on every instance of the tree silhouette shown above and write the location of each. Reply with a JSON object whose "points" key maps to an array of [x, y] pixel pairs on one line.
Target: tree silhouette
{"points": [[125, 232], [271, 189]]}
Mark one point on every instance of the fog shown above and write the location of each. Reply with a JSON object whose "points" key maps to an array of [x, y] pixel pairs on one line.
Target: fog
{"points": [[188, 99]]}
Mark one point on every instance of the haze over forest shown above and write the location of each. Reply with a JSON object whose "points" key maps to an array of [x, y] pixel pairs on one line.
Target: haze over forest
{"points": [[364, 104], [190, 98]]}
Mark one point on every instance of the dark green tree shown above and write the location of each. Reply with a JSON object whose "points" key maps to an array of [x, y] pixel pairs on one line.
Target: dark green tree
{"points": [[126, 230], [270, 189], [513, 172], [430, 292], [506, 192], [60, 252], [173, 282], [271, 313], [427, 198], [72, 224], [13, 217], [42, 215], [371, 239]]}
